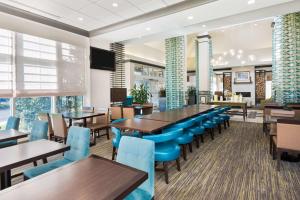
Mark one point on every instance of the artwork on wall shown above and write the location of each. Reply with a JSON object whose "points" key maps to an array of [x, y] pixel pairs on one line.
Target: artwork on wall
{"points": [[242, 77]]}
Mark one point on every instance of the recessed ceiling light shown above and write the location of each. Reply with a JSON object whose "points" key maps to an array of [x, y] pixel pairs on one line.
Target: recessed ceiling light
{"points": [[225, 53], [255, 24], [251, 57], [238, 56], [251, 2], [148, 29], [243, 62], [190, 17], [223, 31], [80, 18], [240, 51], [203, 25], [115, 4]]}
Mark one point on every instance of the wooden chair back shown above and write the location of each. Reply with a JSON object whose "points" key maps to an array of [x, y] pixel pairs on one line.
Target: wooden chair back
{"points": [[103, 119], [128, 112], [59, 125], [116, 112], [288, 134], [46, 117]]}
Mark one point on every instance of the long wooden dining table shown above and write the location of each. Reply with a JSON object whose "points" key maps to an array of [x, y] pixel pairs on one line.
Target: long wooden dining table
{"points": [[157, 121]]}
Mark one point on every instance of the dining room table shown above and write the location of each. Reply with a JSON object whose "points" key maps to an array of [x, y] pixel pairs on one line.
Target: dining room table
{"points": [[81, 115], [91, 178], [11, 134], [24, 153]]}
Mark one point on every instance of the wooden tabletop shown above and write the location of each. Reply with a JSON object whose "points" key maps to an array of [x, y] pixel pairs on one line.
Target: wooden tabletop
{"points": [[177, 115], [81, 115], [91, 178], [21, 154], [7, 135], [142, 125]]}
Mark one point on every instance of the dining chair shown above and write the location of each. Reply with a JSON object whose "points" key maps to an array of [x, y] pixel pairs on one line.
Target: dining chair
{"points": [[210, 124], [117, 137], [287, 138], [39, 131], [59, 126], [12, 123], [46, 117], [148, 109], [116, 112], [138, 153], [128, 112], [166, 149], [101, 123], [198, 129], [79, 142], [186, 138]]}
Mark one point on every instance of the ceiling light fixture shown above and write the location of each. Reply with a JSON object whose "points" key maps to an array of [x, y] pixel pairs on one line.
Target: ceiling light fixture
{"points": [[255, 24], [190, 17], [240, 51], [148, 29], [243, 62], [203, 25], [225, 53], [115, 4], [250, 2], [80, 18]]}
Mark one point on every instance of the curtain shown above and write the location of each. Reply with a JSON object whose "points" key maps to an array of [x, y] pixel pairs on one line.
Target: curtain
{"points": [[6, 63], [48, 68]]}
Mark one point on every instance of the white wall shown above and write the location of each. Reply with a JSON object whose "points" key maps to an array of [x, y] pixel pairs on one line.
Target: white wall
{"points": [[100, 80], [245, 87]]}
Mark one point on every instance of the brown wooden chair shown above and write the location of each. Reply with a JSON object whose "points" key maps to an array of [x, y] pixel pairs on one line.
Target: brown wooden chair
{"points": [[287, 139], [100, 123], [128, 112], [267, 111], [148, 109], [46, 117], [59, 128], [116, 112]]}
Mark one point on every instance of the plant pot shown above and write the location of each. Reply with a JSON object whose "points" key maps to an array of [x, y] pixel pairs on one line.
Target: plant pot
{"points": [[192, 100], [162, 104]]}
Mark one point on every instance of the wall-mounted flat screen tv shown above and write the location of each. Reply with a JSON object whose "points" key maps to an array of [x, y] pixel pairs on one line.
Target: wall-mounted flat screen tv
{"points": [[102, 59]]}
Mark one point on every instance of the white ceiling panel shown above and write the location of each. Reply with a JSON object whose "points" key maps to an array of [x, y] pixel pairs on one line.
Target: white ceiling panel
{"points": [[124, 9], [74, 4], [150, 5], [170, 2]]}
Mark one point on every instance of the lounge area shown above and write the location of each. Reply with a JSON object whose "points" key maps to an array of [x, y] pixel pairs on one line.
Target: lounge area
{"points": [[142, 100]]}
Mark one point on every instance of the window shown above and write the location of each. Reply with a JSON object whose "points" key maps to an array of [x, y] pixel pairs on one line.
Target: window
{"points": [[4, 111], [6, 63], [69, 103], [29, 108]]}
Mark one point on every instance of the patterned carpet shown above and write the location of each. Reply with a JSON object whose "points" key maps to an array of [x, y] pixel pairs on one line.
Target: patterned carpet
{"points": [[236, 165]]}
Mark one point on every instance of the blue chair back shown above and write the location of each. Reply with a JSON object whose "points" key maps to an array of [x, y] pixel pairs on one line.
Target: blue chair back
{"points": [[79, 141], [167, 135], [138, 153], [12, 123], [128, 101], [39, 130], [186, 124], [116, 131], [199, 119]]}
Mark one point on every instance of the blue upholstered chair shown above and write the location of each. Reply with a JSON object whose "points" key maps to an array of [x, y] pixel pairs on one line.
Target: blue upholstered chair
{"points": [[12, 123], [225, 117], [116, 140], [128, 101], [39, 130], [166, 149], [210, 124], [217, 119], [186, 138], [198, 129], [79, 141], [138, 153]]}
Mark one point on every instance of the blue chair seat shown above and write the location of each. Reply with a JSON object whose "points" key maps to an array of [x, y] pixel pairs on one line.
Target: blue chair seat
{"points": [[224, 116], [198, 130], [36, 171], [8, 143], [139, 194], [185, 138], [218, 119], [209, 124], [166, 151]]}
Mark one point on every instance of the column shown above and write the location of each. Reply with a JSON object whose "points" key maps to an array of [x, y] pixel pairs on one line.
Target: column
{"points": [[175, 72], [203, 68]]}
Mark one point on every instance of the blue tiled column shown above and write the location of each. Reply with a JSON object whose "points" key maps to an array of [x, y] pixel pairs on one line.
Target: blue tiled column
{"points": [[286, 59], [175, 71]]}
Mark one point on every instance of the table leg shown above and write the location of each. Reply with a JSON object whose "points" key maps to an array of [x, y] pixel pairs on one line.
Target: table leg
{"points": [[84, 122], [70, 122], [244, 113]]}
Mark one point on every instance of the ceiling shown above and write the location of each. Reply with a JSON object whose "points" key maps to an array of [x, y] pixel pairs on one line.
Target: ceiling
{"points": [[90, 14]]}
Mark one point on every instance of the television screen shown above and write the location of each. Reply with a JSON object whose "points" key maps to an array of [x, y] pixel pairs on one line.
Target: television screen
{"points": [[102, 59], [118, 94]]}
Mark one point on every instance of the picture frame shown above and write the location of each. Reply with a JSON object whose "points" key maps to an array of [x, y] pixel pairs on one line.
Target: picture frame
{"points": [[242, 77]]}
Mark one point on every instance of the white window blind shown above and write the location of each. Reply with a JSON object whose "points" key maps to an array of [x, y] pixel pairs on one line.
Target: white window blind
{"points": [[47, 67], [6, 63]]}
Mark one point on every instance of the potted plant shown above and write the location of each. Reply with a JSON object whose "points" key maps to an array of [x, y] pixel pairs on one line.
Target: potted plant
{"points": [[162, 100], [191, 95], [140, 94]]}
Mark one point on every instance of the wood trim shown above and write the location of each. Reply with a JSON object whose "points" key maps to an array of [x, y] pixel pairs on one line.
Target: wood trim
{"points": [[289, 121]]}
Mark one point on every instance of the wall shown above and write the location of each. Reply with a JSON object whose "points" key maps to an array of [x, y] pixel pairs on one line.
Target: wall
{"points": [[245, 87], [100, 80]]}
